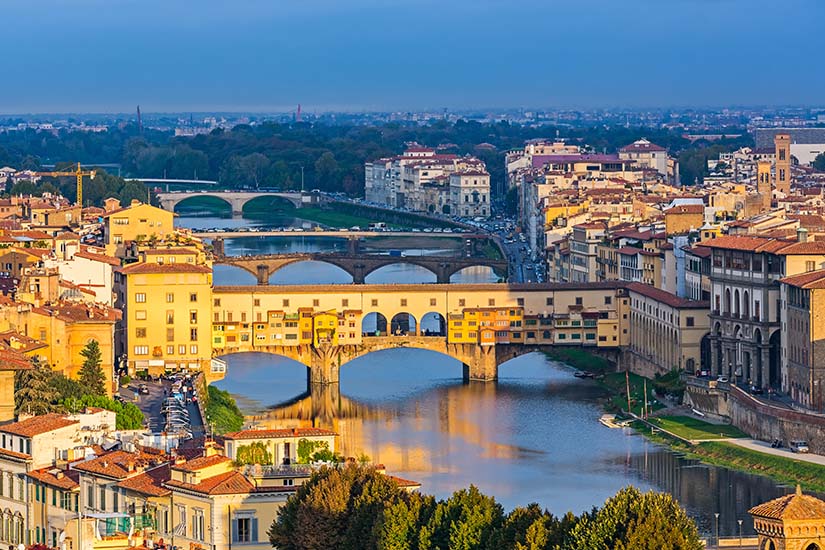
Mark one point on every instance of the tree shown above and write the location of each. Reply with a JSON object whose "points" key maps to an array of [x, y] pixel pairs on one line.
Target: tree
{"points": [[632, 520], [468, 520], [92, 377], [819, 163], [34, 393], [326, 171], [254, 167], [254, 453], [337, 508]]}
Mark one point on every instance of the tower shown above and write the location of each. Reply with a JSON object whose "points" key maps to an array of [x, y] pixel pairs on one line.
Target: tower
{"points": [[139, 121], [783, 163], [298, 114], [763, 183]]}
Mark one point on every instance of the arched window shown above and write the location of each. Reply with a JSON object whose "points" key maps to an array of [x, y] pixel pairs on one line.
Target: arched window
{"points": [[727, 301], [746, 305], [736, 305]]}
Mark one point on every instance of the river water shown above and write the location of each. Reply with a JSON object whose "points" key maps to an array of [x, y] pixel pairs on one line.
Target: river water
{"points": [[533, 436]]}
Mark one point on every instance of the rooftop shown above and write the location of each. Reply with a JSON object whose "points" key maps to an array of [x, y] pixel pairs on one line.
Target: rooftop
{"points": [[666, 297], [38, 425], [795, 506], [272, 434]]}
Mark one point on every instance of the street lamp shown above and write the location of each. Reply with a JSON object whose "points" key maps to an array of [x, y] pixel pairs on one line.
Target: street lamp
{"points": [[739, 521], [716, 515]]}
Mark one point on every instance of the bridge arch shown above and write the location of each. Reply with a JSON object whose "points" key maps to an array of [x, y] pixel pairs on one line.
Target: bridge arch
{"points": [[274, 203], [208, 201], [374, 324], [433, 324], [309, 271], [382, 273], [403, 324], [475, 274]]}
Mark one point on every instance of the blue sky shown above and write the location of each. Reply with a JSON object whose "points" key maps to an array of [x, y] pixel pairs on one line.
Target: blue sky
{"points": [[171, 55]]}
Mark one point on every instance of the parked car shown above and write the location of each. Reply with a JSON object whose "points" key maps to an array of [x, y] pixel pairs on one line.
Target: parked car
{"points": [[756, 390], [799, 446], [776, 444], [143, 389], [723, 379]]}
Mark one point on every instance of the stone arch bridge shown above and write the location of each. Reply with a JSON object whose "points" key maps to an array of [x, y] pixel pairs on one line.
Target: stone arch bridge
{"points": [[359, 266], [235, 199]]}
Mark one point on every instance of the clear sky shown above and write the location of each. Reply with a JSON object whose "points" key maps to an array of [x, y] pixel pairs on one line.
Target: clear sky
{"points": [[259, 55]]}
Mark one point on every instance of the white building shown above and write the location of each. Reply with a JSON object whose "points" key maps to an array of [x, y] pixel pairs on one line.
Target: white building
{"points": [[470, 193], [646, 154]]}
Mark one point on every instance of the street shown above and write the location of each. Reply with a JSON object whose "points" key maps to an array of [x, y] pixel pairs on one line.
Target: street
{"points": [[151, 404]]}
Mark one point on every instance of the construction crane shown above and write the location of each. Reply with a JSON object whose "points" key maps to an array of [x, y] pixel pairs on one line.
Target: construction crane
{"points": [[79, 173]]}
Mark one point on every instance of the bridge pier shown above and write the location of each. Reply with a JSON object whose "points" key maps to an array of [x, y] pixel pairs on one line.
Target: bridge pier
{"points": [[218, 248], [480, 363], [262, 274]]}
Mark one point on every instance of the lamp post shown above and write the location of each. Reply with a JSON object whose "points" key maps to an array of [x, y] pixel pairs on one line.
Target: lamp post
{"points": [[739, 521], [716, 529]]}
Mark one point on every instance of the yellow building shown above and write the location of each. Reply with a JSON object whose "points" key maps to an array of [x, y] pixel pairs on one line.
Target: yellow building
{"points": [[790, 522], [167, 316], [136, 222]]}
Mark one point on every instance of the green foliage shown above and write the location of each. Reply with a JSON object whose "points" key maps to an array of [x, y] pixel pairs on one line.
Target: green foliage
{"points": [[819, 163], [695, 429], [91, 374], [222, 412], [632, 520], [128, 415], [125, 380], [307, 448], [33, 391], [355, 507], [254, 453]]}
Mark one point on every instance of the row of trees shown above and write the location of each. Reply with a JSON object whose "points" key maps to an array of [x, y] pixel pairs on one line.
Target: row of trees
{"points": [[41, 390], [355, 507], [95, 190], [330, 157]]}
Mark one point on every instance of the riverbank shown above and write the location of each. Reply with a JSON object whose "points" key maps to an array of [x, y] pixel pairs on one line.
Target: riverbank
{"points": [[695, 438]]}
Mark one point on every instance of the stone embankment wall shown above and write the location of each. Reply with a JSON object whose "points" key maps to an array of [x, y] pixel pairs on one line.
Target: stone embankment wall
{"points": [[768, 422]]}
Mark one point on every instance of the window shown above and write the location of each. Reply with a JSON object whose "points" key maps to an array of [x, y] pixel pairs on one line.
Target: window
{"points": [[193, 349], [180, 528], [102, 503], [140, 332], [141, 350], [491, 302], [375, 303], [245, 529], [578, 300], [216, 302], [344, 302], [193, 296], [193, 335], [181, 349], [403, 302], [548, 301], [193, 316], [170, 317], [170, 350], [689, 321], [285, 302], [316, 303], [608, 300], [256, 302], [462, 302], [810, 265], [170, 297], [520, 301], [197, 525], [140, 298], [170, 334]]}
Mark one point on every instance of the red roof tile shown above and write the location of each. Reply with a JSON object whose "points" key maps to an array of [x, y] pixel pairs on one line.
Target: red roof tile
{"points": [[152, 267], [270, 434], [228, 483], [791, 507], [666, 297], [201, 462], [149, 482], [62, 479], [38, 425]]}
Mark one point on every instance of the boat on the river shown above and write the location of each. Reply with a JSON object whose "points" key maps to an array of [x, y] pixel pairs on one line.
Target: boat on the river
{"points": [[611, 421]]}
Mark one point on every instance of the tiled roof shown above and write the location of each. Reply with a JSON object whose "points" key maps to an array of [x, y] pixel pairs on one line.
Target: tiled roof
{"points": [[117, 464], [746, 243], [228, 483], [149, 482], [201, 462], [270, 434], [641, 146], [14, 455], [62, 479], [170, 250], [666, 297], [811, 279], [97, 255], [686, 209], [152, 267], [793, 507], [38, 425]]}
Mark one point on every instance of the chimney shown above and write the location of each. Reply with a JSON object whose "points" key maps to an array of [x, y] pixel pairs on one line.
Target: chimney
{"points": [[802, 235], [134, 202]]}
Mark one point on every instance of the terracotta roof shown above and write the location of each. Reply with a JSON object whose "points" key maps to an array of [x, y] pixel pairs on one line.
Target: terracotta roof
{"points": [[270, 434], [14, 455], [149, 482], [170, 250], [11, 359], [62, 479], [794, 507], [666, 297], [80, 312], [228, 483], [97, 256], [38, 425], [699, 250], [686, 209], [641, 146], [201, 462], [117, 464], [746, 242], [811, 279], [152, 267], [405, 483]]}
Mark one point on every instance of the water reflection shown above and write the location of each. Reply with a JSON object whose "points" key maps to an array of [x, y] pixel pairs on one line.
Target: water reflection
{"points": [[533, 436]]}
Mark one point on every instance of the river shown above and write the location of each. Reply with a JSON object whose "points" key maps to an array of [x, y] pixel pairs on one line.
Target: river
{"points": [[533, 436]]}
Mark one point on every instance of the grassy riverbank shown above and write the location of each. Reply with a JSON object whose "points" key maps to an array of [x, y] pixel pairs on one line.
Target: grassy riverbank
{"points": [[727, 455], [695, 429]]}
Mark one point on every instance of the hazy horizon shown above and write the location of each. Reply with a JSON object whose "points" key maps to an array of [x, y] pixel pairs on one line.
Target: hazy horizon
{"points": [[257, 56]]}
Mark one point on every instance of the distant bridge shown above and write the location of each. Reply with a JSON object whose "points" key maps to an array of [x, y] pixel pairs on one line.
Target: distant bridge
{"points": [[343, 234], [175, 181], [359, 266], [235, 199]]}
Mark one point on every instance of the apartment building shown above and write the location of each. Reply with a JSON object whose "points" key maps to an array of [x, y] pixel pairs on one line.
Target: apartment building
{"points": [[136, 222], [803, 338], [584, 243], [167, 314]]}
